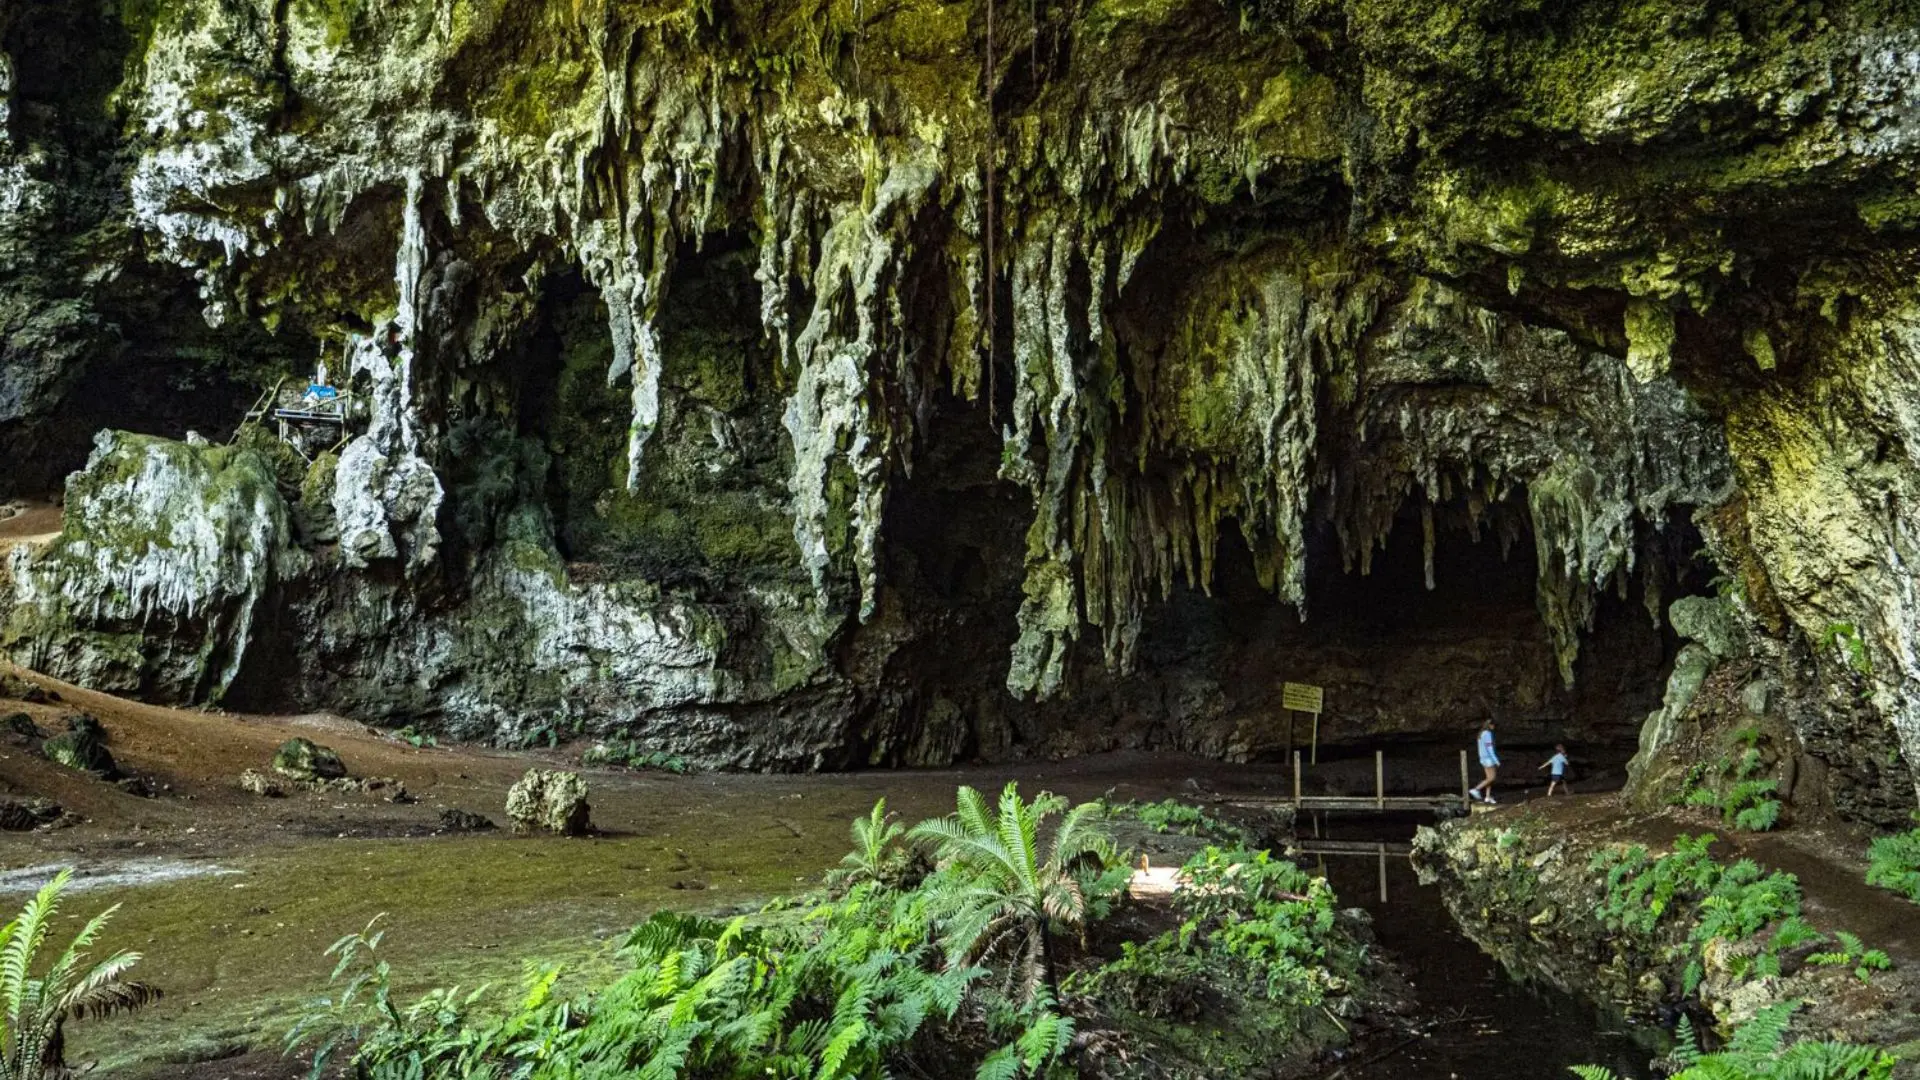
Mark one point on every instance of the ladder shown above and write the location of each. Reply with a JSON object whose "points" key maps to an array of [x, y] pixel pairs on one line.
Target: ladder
{"points": [[261, 407]]}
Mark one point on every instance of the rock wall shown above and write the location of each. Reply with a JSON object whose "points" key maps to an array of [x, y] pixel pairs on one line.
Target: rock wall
{"points": [[661, 315], [1534, 894]]}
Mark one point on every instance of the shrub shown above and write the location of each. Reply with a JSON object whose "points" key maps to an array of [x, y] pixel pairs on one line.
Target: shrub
{"points": [[37, 1007], [1174, 816], [1248, 921], [1893, 862], [1743, 798], [1757, 1051], [850, 988], [832, 999], [1003, 888], [1711, 901]]}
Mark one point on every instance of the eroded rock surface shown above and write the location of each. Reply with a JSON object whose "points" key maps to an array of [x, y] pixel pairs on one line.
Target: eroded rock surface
{"points": [[548, 800], [795, 386]]}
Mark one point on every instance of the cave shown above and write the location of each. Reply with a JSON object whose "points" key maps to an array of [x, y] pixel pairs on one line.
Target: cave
{"points": [[1411, 656], [889, 412]]}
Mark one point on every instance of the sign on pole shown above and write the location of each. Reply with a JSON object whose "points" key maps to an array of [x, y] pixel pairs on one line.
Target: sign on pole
{"points": [[1302, 697]]}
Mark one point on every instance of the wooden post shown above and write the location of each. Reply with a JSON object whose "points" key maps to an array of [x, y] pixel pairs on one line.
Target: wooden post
{"points": [[1383, 873], [1296, 776], [1466, 800], [1316, 738], [1380, 779]]}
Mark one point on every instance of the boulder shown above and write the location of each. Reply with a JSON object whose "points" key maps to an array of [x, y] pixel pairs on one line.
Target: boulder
{"points": [[254, 782], [18, 689], [303, 759], [19, 815], [1711, 621], [19, 727], [454, 819], [82, 747], [551, 800]]}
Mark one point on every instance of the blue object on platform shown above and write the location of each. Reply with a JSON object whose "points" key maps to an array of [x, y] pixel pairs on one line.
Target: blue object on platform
{"points": [[323, 393]]}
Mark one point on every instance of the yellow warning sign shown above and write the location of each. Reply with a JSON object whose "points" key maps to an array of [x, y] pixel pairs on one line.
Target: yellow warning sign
{"points": [[1301, 697]]}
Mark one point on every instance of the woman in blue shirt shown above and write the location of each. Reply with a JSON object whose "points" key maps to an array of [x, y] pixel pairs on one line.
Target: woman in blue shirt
{"points": [[1490, 762]]}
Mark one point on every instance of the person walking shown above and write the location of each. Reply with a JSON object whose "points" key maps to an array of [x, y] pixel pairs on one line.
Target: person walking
{"points": [[1490, 762], [1558, 763]]}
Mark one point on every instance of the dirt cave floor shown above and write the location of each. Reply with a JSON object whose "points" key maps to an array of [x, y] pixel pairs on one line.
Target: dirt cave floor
{"points": [[232, 898]]}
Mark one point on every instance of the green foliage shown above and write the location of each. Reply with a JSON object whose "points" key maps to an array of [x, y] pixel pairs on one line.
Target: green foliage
{"points": [[1893, 862], [549, 733], [1687, 890], [904, 974], [877, 854], [1853, 953], [1844, 640], [1181, 819], [1258, 927], [1002, 890], [625, 752], [1743, 798], [830, 999], [841, 989], [415, 738], [1707, 900], [1758, 1051], [34, 1009]]}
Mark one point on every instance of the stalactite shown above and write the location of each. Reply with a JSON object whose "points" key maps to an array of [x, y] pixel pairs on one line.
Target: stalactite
{"points": [[1261, 402]]}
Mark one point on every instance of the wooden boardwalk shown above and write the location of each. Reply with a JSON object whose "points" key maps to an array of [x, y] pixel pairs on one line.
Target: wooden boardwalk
{"points": [[1378, 802]]}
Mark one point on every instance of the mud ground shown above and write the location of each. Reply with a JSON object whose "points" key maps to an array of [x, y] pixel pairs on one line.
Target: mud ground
{"points": [[232, 898]]}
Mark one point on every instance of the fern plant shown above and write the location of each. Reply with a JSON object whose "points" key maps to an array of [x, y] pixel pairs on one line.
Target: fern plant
{"points": [[1260, 925], [1853, 953], [1001, 890], [37, 1007], [1844, 640], [1743, 797], [1893, 862], [1758, 1051], [1174, 816], [851, 989], [877, 855]]}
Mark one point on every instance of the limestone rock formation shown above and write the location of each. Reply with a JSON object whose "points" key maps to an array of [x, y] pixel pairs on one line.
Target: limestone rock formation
{"points": [[305, 760], [169, 550], [794, 386], [18, 815], [454, 819], [82, 747], [255, 782], [549, 801], [19, 727]]}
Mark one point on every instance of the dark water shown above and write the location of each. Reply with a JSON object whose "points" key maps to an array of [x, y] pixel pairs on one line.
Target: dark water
{"points": [[1481, 1023]]}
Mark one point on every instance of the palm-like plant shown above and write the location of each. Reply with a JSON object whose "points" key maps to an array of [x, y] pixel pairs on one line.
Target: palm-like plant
{"points": [[32, 1039], [1005, 892], [876, 854]]}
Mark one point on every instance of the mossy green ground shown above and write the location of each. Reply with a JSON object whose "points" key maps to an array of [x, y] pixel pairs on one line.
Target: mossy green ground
{"points": [[239, 952]]}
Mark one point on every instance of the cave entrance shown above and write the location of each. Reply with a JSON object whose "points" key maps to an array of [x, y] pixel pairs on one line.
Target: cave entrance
{"points": [[1407, 669], [1412, 670]]}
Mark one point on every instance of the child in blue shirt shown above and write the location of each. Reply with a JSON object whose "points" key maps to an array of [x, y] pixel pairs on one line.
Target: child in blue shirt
{"points": [[1558, 763]]}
